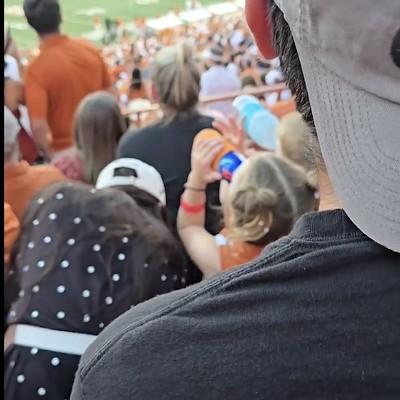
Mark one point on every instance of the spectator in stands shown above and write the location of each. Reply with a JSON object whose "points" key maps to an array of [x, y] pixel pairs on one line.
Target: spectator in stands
{"points": [[65, 71], [137, 89], [11, 54], [141, 182], [317, 315], [22, 181], [266, 197], [219, 80], [250, 70], [11, 231], [145, 186], [84, 257], [98, 127], [14, 99], [294, 137], [166, 145]]}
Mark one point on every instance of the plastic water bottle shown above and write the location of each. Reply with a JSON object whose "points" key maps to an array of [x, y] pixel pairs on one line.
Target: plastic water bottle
{"points": [[227, 160], [259, 123]]}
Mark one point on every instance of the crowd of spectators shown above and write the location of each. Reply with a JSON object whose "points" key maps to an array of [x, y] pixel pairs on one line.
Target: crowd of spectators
{"points": [[103, 212]]}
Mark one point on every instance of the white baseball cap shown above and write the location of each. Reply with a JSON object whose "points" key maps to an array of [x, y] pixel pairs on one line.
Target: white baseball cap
{"points": [[144, 177], [350, 56]]}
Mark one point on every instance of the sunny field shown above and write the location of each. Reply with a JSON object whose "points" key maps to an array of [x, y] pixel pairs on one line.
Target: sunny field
{"points": [[79, 15]]}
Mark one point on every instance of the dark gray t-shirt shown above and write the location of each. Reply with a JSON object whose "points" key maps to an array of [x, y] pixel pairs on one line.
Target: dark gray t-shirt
{"points": [[317, 316]]}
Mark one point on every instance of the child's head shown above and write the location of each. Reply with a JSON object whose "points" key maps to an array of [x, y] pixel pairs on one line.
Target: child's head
{"points": [[266, 197]]}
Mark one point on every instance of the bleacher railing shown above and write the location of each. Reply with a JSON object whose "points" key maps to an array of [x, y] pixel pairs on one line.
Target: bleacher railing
{"points": [[135, 116]]}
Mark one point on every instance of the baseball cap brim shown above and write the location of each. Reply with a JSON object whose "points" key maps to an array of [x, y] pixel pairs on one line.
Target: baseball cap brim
{"points": [[359, 135]]}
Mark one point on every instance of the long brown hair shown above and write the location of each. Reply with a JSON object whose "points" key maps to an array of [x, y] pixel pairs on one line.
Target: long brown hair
{"points": [[98, 128]]}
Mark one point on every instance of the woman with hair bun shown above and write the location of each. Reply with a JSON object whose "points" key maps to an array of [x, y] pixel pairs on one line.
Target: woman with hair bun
{"points": [[166, 145], [265, 198]]}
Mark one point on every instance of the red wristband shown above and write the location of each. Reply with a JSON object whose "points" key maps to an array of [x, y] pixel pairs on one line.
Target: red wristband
{"points": [[191, 208]]}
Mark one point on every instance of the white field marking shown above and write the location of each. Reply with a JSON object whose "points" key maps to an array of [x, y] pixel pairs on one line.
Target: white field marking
{"points": [[16, 11], [146, 2], [19, 26], [91, 12]]}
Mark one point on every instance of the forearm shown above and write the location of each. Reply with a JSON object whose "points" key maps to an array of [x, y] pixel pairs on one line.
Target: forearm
{"points": [[41, 133], [193, 197]]}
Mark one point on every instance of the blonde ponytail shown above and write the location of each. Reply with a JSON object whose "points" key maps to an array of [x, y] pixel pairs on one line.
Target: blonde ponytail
{"points": [[177, 78]]}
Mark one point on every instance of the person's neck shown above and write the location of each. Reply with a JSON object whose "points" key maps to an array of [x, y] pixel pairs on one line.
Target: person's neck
{"points": [[48, 36], [328, 198]]}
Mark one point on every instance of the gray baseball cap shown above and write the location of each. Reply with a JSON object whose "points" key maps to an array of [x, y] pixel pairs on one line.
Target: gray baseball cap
{"points": [[350, 55]]}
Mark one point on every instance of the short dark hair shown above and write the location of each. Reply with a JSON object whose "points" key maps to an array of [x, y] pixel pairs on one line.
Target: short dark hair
{"points": [[44, 16], [290, 62], [291, 67]]}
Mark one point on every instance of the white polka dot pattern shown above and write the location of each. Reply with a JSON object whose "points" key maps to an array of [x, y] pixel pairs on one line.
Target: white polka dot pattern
{"points": [[90, 269], [59, 196], [61, 315], [36, 289], [77, 220], [52, 216], [31, 245], [41, 391], [61, 289], [34, 314], [40, 201], [41, 264], [163, 278], [125, 240], [55, 361], [64, 264], [96, 247], [35, 222], [34, 350], [116, 277], [47, 239], [71, 242], [86, 293], [20, 378], [121, 256], [86, 318], [109, 300], [102, 229]]}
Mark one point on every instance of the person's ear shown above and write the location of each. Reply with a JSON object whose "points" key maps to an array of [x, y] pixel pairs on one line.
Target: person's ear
{"points": [[257, 16]]}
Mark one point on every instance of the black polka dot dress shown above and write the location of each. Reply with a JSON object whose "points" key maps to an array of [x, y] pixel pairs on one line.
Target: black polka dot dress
{"points": [[75, 278]]}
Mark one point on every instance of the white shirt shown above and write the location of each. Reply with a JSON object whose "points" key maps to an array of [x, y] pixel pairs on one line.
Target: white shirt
{"points": [[11, 71], [220, 80]]}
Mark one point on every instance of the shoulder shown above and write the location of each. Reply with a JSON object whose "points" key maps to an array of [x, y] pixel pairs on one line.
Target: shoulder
{"points": [[141, 135], [151, 320], [47, 171]]}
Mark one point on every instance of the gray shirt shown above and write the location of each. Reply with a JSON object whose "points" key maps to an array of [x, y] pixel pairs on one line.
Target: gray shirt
{"points": [[315, 317]]}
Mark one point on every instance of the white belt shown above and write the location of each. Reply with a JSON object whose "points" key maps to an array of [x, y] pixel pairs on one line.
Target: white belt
{"points": [[52, 340]]}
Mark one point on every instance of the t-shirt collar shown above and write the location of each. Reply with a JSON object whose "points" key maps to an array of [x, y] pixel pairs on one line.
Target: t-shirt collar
{"points": [[53, 41], [325, 225]]}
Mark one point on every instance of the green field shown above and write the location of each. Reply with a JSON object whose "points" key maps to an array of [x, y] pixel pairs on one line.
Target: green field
{"points": [[78, 15]]}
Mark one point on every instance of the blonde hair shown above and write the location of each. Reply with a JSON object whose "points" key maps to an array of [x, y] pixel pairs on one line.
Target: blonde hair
{"points": [[98, 127], [177, 78], [294, 139], [268, 198]]}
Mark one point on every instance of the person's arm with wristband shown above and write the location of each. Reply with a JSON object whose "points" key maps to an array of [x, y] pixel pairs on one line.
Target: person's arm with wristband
{"points": [[199, 244]]}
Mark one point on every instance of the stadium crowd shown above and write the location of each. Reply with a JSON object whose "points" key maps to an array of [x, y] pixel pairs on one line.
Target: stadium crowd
{"points": [[283, 258]]}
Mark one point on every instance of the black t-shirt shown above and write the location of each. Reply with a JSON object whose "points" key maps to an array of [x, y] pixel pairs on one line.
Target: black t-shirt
{"points": [[317, 316], [167, 146]]}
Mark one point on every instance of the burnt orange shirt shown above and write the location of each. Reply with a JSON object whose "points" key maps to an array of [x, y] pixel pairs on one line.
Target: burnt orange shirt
{"points": [[65, 71], [11, 231], [234, 253], [282, 108], [22, 181]]}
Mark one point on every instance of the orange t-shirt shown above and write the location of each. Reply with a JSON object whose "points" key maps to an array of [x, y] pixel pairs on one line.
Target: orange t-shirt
{"points": [[234, 253], [282, 108], [22, 181], [65, 71], [11, 231]]}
